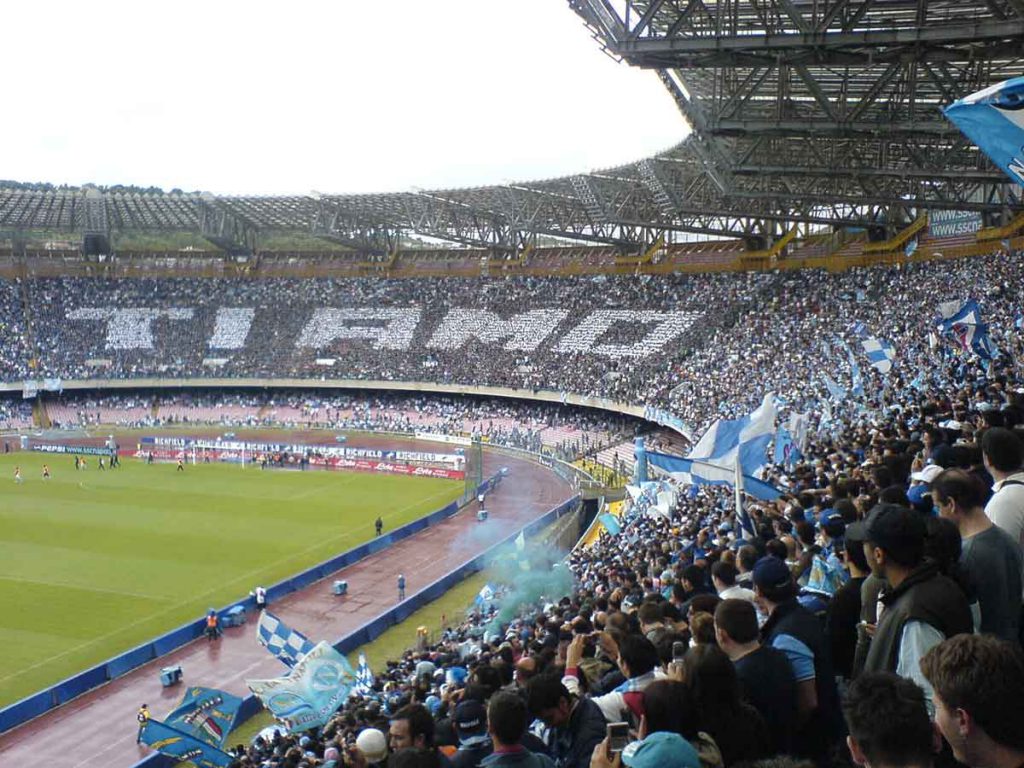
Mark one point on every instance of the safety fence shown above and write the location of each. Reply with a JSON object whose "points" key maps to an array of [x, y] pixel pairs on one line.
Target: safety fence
{"points": [[39, 703], [376, 627]]}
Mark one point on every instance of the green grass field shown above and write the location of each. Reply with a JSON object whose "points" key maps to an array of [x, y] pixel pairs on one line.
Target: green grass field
{"points": [[93, 563]]}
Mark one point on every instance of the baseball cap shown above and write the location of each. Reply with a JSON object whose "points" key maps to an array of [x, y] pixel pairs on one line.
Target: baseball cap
{"points": [[771, 572], [661, 750], [897, 530], [856, 533], [470, 721], [372, 743], [927, 474], [833, 525]]}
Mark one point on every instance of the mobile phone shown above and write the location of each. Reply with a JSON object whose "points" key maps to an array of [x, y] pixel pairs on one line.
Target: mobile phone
{"points": [[618, 737], [678, 651]]}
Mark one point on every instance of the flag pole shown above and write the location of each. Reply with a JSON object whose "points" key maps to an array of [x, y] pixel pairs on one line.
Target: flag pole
{"points": [[738, 487]]}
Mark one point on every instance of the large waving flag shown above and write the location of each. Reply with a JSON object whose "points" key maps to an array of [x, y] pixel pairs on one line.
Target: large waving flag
{"points": [[994, 120], [691, 472], [743, 440], [880, 352], [964, 325], [206, 714], [311, 692], [285, 643], [182, 746]]}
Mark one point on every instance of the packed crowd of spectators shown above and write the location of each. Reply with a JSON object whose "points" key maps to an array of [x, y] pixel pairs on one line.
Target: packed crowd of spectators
{"points": [[881, 592], [875, 605], [781, 325], [565, 432], [15, 414], [281, 327]]}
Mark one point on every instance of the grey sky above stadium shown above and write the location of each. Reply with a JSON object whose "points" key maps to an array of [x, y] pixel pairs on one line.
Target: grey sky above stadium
{"points": [[338, 97]]}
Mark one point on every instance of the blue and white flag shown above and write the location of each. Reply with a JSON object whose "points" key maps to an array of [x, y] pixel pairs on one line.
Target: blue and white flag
{"points": [[952, 313], [911, 248], [364, 677], [859, 329], [282, 641], [966, 328], [695, 473], [799, 427], [311, 692], [483, 598], [835, 391], [880, 352], [857, 381], [993, 119], [182, 746], [611, 523], [206, 714], [744, 440], [783, 446]]}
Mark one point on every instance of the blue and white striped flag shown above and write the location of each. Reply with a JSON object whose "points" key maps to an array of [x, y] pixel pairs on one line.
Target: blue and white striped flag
{"points": [[965, 326], [744, 440], [698, 473], [364, 677], [880, 352], [281, 640], [911, 248]]}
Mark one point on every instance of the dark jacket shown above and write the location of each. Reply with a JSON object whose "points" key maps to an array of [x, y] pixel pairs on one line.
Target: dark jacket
{"points": [[573, 745], [473, 756], [841, 626], [823, 728], [925, 595], [521, 758]]}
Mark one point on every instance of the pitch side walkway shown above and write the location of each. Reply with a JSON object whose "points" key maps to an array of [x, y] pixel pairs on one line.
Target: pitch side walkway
{"points": [[97, 730]]}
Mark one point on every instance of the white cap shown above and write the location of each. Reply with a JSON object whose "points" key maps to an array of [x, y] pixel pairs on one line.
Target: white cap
{"points": [[372, 743], [928, 474]]}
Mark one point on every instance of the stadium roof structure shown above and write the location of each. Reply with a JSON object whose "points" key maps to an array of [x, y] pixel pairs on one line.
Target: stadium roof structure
{"points": [[819, 112]]}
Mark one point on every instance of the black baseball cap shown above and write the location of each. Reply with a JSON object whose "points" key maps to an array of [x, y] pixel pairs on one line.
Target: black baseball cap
{"points": [[898, 531]]}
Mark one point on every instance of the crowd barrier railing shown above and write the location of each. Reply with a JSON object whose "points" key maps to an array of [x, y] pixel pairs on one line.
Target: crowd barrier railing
{"points": [[60, 693], [374, 628]]}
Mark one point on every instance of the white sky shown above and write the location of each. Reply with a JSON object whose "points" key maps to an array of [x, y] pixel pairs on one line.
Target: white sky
{"points": [[334, 96]]}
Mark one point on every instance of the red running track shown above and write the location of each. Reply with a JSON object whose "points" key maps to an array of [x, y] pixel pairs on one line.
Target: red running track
{"points": [[98, 729]]}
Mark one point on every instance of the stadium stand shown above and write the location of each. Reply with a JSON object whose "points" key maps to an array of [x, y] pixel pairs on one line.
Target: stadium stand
{"points": [[661, 579], [747, 334], [686, 342]]}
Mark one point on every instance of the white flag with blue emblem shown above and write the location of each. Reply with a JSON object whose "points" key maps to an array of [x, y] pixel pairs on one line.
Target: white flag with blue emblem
{"points": [[993, 119]]}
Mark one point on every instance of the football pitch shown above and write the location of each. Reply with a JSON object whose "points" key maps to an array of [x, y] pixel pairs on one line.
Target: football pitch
{"points": [[94, 563]]}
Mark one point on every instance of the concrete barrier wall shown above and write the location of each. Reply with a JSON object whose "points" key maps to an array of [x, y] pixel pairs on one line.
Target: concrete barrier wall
{"points": [[377, 626], [39, 703]]}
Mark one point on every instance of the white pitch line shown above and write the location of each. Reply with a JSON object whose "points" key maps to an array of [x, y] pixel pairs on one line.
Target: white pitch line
{"points": [[170, 608], [64, 584]]}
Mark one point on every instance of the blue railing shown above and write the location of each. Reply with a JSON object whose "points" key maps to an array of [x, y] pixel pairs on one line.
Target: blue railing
{"points": [[42, 702]]}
